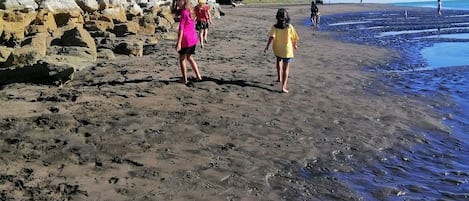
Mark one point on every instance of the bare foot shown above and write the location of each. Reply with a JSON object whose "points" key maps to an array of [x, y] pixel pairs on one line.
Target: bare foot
{"points": [[284, 91], [182, 81], [279, 80]]}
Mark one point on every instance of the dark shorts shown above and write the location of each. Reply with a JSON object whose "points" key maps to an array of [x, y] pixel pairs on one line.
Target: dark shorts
{"points": [[314, 14], [285, 60], [201, 25], [187, 50]]}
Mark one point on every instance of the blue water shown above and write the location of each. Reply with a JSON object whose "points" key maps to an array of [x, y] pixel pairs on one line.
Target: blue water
{"points": [[434, 68], [447, 4]]}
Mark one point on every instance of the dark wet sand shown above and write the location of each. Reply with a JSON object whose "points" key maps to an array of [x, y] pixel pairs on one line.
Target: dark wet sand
{"points": [[127, 130]]}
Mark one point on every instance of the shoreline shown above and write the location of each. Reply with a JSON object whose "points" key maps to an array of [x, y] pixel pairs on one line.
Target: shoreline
{"points": [[125, 130]]}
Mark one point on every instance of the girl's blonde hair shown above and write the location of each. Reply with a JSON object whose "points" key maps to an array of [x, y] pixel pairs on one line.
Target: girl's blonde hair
{"points": [[202, 2], [188, 6]]}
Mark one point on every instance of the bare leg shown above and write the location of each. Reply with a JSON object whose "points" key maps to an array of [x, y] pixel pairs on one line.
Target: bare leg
{"points": [[205, 35], [201, 34], [194, 66], [182, 64], [286, 67], [279, 70]]}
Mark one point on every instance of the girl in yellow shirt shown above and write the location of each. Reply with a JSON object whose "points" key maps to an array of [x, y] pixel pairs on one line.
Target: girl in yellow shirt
{"points": [[284, 39]]}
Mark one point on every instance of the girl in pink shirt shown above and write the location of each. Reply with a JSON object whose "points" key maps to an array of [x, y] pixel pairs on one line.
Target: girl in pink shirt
{"points": [[187, 39]]}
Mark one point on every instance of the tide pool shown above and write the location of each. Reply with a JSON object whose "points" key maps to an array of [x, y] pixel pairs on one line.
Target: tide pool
{"points": [[446, 54]]}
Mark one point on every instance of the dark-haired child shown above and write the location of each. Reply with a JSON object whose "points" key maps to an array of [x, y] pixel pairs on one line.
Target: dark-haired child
{"points": [[285, 39]]}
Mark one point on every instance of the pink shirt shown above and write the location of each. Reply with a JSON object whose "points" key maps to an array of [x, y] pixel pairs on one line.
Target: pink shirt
{"points": [[187, 25]]}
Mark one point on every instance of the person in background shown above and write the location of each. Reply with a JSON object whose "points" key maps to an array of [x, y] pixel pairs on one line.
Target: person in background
{"points": [[187, 39], [439, 7], [285, 39], [315, 15], [202, 12]]}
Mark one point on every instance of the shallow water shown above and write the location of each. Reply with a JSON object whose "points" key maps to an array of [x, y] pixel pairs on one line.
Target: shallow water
{"points": [[434, 66], [446, 54]]}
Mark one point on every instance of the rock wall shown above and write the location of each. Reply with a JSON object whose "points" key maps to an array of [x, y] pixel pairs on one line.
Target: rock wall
{"points": [[46, 41]]}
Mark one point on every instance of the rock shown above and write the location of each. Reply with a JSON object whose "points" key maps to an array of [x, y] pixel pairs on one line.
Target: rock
{"points": [[77, 36], [31, 50], [68, 18], [44, 22], [50, 43], [76, 57], [117, 15], [14, 27], [147, 25], [60, 6], [18, 5], [5, 53], [166, 14], [106, 54], [124, 29], [135, 10], [89, 6], [163, 25], [130, 47], [40, 72]]}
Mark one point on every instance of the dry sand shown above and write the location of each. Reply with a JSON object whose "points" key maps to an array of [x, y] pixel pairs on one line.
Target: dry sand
{"points": [[127, 130]]}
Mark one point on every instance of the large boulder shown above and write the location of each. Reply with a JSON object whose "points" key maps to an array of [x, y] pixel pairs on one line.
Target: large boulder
{"points": [[130, 47], [32, 50], [117, 15], [39, 72], [128, 28], [14, 27], [75, 36], [44, 22], [89, 6], [60, 6], [18, 5], [147, 25]]}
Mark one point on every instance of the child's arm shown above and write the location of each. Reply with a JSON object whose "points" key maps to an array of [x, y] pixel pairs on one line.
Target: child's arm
{"points": [[178, 44], [181, 31], [209, 16], [268, 44]]}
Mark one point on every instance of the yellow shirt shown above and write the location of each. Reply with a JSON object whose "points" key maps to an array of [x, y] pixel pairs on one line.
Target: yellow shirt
{"points": [[283, 40]]}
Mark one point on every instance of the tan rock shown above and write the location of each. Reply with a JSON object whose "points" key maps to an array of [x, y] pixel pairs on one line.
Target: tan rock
{"points": [[118, 15], [32, 49], [131, 47], [5, 53], [98, 25], [60, 6], [89, 6], [162, 24], [166, 13], [147, 25], [70, 18], [78, 36], [106, 54], [15, 25], [128, 28], [44, 22]]}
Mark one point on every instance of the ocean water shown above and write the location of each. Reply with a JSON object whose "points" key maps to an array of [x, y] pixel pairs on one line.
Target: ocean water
{"points": [[447, 4], [433, 67]]}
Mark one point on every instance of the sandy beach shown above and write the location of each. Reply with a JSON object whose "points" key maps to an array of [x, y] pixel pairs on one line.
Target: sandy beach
{"points": [[126, 129]]}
